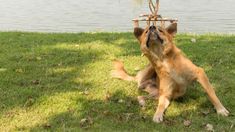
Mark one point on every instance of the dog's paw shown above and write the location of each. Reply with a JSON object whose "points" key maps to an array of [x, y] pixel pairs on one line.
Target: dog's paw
{"points": [[141, 100], [158, 118], [223, 112]]}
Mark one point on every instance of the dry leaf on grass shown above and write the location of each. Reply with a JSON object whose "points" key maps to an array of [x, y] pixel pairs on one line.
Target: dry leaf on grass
{"points": [[19, 70], [47, 125], [35, 82], [193, 40], [209, 127], [205, 112], [107, 96], [84, 92], [29, 102], [128, 116], [86, 122], [121, 101], [187, 123], [106, 112], [38, 58]]}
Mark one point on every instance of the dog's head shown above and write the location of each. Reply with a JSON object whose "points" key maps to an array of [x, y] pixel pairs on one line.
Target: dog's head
{"points": [[154, 38]]}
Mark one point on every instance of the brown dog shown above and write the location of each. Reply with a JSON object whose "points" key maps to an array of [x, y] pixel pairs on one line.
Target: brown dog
{"points": [[169, 71]]}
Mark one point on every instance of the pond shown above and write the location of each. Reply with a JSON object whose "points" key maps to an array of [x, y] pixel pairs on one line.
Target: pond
{"points": [[197, 16]]}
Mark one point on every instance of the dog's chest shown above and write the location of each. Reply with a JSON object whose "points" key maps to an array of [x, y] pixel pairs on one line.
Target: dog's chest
{"points": [[174, 72]]}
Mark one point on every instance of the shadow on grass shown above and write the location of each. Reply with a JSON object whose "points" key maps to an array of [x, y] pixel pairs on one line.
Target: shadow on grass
{"points": [[103, 114], [108, 115], [34, 65]]}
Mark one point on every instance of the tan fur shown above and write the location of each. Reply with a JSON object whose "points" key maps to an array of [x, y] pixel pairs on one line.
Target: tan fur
{"points": [[173, 71], [120, 72]]}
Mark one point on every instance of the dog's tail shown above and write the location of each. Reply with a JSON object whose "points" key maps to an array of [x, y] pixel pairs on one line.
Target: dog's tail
{"points": [[120, 72]]}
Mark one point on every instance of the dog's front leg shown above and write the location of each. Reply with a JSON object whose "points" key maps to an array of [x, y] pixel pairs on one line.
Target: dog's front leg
{"points": [[162, 105], [165, 92], [204, 81]]}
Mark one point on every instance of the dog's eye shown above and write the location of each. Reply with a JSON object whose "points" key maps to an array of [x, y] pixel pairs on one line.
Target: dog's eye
{"points": [[146, 31]]}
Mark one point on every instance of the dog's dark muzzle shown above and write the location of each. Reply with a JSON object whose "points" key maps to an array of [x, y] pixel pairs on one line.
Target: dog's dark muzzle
{"points": [[152, 28], [153, 31]]}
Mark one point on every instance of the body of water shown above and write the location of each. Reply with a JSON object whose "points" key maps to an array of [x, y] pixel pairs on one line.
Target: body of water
{"points": [[198, 16]]}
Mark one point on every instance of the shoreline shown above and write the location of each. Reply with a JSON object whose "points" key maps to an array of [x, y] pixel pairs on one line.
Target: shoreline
{"points": [[125, 32]]}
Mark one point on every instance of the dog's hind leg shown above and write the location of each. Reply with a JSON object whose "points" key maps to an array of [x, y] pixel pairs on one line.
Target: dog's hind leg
{"points": [[204, 81], [146, 75]]}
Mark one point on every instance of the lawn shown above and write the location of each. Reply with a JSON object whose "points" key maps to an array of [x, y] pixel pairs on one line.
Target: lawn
{"points": [[62, 82]]}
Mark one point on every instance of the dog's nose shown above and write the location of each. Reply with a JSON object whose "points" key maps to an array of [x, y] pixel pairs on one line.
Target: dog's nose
{"points": [[152, 28]]}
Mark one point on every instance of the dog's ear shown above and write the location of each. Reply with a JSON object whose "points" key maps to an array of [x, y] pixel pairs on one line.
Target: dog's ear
{"points": [[138, 32], [172, 29]]}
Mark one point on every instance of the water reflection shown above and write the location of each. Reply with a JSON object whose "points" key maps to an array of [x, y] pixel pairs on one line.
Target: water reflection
{"points": [[113, 15], [138, 3]]}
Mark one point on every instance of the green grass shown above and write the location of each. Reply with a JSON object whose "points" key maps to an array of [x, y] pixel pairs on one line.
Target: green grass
{"points": [[50, 82]]}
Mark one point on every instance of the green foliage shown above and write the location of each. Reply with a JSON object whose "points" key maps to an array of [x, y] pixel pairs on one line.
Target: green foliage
{"points": [[61, 82]]}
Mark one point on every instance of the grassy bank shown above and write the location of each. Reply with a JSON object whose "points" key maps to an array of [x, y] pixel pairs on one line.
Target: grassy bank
{"points": [[62, 82]]}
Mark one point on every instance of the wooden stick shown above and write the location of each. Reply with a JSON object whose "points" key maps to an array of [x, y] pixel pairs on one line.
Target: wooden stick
{"points": [[149, 15], [156, 7], [158, 19], [153, 17], [151, 6]]}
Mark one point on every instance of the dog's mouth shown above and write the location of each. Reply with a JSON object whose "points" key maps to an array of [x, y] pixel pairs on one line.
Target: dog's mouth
{"points": [[153, 36]]}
